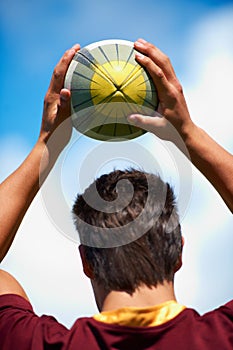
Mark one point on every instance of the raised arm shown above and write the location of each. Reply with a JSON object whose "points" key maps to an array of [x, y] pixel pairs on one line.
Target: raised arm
{"points": [[215, 163], [19, 189]]}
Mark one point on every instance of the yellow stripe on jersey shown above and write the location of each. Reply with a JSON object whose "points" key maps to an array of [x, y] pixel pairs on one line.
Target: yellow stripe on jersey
{"points": [[142, 317]]}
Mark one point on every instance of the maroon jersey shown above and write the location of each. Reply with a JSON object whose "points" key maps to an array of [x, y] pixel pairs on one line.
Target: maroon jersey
{"points": [[22, 329]]}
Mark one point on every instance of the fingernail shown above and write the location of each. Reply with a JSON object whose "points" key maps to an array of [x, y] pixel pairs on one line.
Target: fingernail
{"points": [[139, 44], [139, 55], [64, 98], [72, 51], [76, 47], [65, 95], [132, 118], [142, 41]]}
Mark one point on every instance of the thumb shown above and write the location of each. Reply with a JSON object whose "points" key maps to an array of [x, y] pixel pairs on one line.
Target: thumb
{"points": [[149, 123], [64, 98], [65, 108]]}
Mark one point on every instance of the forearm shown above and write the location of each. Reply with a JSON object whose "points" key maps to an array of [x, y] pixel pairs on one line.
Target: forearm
{"points": [[19, 189], [175, 124], [17, 193], [212, 160]]}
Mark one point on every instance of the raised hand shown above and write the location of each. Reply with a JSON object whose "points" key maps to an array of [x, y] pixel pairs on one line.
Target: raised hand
{"points": [[173, 117], [172, 106], [57, 99]]}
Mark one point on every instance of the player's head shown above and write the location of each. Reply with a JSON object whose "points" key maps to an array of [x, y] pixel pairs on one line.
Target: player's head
{"points": [[151, 257]]}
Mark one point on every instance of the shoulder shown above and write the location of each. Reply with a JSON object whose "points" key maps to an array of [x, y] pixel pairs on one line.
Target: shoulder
{"points": [[216, 326], [223, 312], [21, 328], [9, 285]]}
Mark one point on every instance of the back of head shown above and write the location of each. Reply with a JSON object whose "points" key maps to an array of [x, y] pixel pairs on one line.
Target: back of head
{"points": [[129, 226]]}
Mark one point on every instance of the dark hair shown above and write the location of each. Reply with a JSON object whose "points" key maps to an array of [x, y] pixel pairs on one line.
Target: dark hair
{"points": [[152, 255]]}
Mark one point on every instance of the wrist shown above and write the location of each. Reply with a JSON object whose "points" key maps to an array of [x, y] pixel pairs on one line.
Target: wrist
{"points": [[188, 131], [41, 152], [48, 150], [185, 138]]}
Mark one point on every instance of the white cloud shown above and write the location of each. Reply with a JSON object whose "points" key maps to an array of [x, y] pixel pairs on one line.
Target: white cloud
{"points": [[210, 70]]}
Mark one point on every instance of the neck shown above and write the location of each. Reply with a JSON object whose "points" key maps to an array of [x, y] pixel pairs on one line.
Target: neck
{"points": [[142, 297]]}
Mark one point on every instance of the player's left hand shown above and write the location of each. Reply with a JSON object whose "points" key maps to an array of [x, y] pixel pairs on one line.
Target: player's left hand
{"points": [[57, 100], [172, 114]]}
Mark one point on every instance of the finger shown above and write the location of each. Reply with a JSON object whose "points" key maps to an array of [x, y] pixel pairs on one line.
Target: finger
{"points": [[157, 56], [64, 107], [156, 74], [64, 97], [57, 81], [148, 123]]}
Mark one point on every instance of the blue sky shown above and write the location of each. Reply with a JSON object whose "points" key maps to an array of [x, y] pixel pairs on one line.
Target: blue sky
{"points": [[36, 33], [198, 37]]}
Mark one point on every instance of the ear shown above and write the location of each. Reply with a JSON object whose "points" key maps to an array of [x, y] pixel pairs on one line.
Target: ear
{"points": [[86, 267], [179, 262]]}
